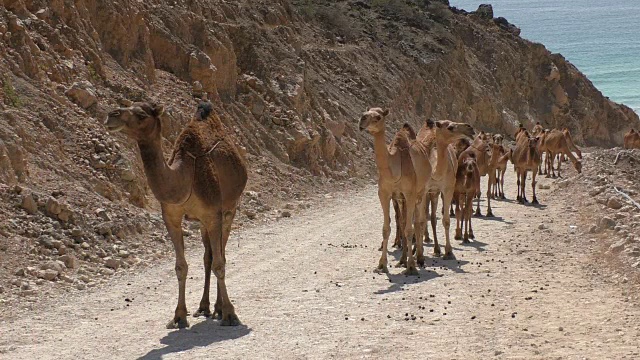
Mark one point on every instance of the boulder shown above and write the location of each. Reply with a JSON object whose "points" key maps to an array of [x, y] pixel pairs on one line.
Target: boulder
{"points": [[83, 94], [614, 203], [29, 204], [485, 11]]}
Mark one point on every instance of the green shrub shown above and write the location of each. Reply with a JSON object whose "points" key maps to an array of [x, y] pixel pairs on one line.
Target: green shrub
{"points": [[11, 97]]}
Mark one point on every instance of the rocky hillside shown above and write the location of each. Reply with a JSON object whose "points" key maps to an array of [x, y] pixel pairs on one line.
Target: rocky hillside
{"points": [[290, 78]]}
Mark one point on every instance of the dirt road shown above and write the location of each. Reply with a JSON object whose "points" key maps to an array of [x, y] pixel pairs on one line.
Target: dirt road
{"points": [[304, 288]]}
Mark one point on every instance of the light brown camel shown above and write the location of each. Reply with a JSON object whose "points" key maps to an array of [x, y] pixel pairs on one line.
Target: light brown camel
{"points": [[397, 176], [441, 135], [487, 163], [467, 185], [632, 139], [501, 169], [526, 157], [555, 142], [203, 180]]}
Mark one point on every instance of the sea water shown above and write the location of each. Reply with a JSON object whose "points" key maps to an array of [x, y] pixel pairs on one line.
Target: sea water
{"points": [[601, 38]]}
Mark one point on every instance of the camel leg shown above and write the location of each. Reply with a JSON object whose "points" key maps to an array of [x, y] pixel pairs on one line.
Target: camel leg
{"points": [[478, 212], [205, 304], [172, 217], [524, 183], [426, 205], [446, 221], [434, 223], [468, 208], [492, 179], [408, 231], [466, 219], [397, 208], [386, 230], [215, 228], [533, 189], [502, 184], [227, 220], [519, 198], [459, 218], [420, 226]]}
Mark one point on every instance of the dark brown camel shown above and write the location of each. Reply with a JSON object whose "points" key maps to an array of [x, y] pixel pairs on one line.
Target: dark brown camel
{"points": [[203, 180]]}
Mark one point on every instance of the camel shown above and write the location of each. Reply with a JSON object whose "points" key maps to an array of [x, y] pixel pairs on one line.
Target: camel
{"points": [[501, 169], [526, 157], [632, 139], [397, 177], [441, 135], [203, 180], [467, 184], [555, 142], [498, 139], [487, 163]]}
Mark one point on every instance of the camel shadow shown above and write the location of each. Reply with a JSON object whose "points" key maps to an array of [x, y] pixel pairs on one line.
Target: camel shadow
{"points": [[200, 335], [399, 280], [494, 218], [454, 265], [479, 245]]}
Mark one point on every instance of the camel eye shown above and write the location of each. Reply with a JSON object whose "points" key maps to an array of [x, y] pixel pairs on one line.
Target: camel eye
{"points": [[450, 128], [378, 117]]}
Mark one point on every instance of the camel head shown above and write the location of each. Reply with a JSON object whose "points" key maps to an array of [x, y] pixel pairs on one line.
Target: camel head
{"points": [[138, 121], [469, 163], [533, 142], [498, 138], [449, 131], [578, 166], [372, 120]]}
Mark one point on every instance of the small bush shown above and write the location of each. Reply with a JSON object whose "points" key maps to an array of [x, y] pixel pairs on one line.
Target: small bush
{"points": [[11, 98]]}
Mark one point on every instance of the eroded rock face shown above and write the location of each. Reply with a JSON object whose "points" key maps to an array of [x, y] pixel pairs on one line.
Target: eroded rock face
{"points": [[82, 93]]}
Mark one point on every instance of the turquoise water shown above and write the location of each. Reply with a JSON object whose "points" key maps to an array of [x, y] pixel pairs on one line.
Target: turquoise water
{"points": [[602, 38]]}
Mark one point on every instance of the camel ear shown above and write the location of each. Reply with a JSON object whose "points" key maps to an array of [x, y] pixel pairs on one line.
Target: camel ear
{"points": [[385, 112], [430, 123], [439, 124]]}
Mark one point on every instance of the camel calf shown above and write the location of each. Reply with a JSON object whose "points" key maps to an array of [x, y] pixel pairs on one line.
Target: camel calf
{"points": [[467, 186]]}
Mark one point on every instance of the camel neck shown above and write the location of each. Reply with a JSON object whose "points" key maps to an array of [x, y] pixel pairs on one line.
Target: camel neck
{"points": [[169, 184], [441, 151], [381, 151]]}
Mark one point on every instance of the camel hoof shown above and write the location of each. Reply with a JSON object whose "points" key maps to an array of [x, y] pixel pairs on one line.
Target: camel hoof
{"points": [[380, 248], [535, 201], [466, 241], [471, 236], [411, 271], [427, 240], [490, 214], [420, 261], [381, 269], [202, 313], [178, 324], [477, 214], [401, 264], [458, 237], [436, 251], [230, 320]]}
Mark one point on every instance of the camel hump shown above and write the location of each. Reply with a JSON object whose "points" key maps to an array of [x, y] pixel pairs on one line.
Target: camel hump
{"points": [[410, 131], [402, 140]]}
